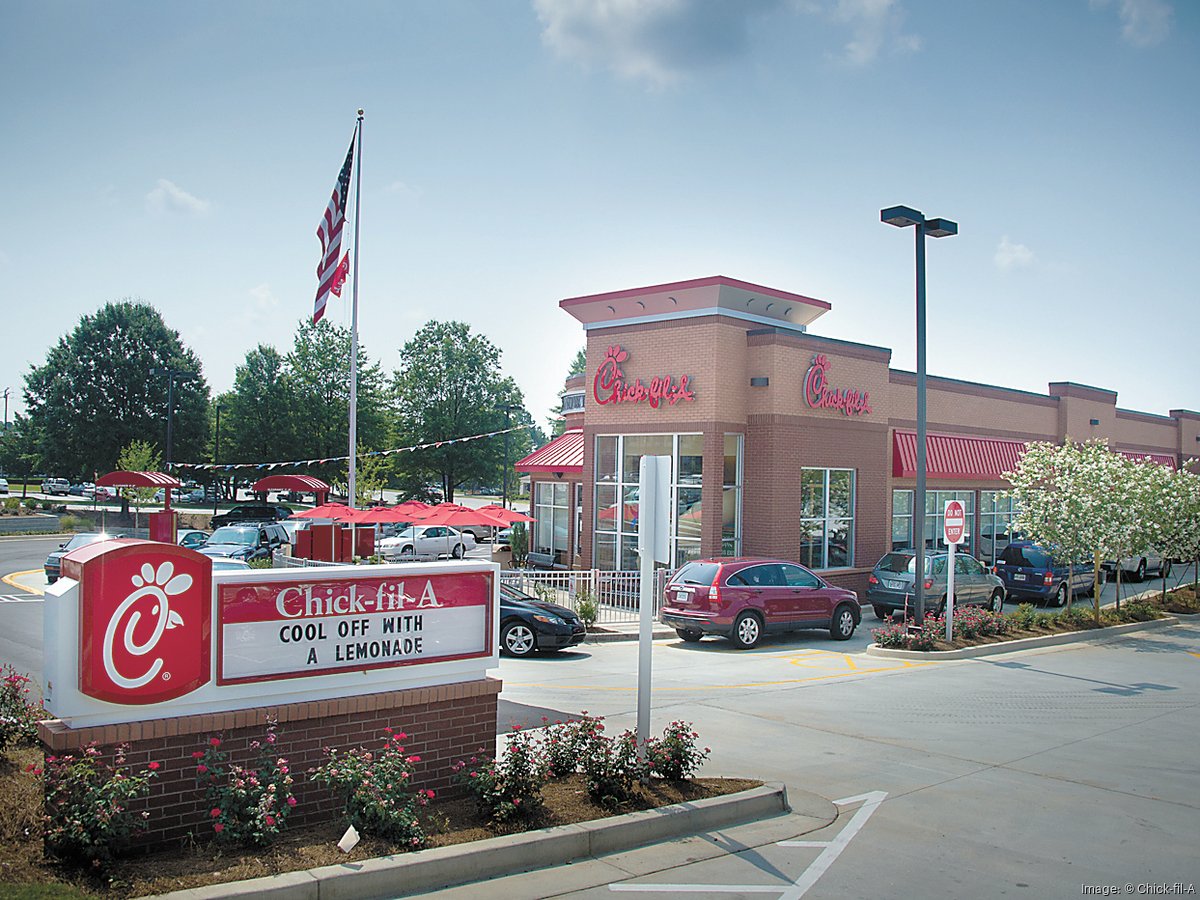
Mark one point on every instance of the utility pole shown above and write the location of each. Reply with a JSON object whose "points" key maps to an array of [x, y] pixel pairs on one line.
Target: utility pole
{"points": [[173, 375]]}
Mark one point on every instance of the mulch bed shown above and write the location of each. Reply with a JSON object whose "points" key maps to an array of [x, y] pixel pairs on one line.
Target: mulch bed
{"points": [[196, 865]]}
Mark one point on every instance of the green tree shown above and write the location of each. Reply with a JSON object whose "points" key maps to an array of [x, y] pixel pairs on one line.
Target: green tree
{"points": [[20, 451], [95, 394], [449, 386], [139, 456], [260, 415], [318, 375], [370, 477]]}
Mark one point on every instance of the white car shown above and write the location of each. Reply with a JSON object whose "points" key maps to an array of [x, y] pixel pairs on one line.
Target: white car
{"points": [[52, 486], [427, 540], [1134, 568]]}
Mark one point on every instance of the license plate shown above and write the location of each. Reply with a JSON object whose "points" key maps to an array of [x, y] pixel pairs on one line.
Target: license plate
{"points": [[1017, 576], [894, 585]]}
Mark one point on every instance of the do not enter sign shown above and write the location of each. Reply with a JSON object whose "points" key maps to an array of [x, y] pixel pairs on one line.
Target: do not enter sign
{"points": [[955, 522]]}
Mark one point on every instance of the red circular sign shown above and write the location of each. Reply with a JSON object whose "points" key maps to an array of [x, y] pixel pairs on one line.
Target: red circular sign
{"points": [[955, 522]]}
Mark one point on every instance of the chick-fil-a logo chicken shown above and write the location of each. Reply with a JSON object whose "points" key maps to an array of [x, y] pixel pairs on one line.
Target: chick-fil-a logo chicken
{"points": [[819, 395], [145, 623], [611, 386]]}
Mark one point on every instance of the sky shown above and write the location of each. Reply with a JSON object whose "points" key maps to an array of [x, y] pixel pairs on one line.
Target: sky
{"points": [[517, 152]]}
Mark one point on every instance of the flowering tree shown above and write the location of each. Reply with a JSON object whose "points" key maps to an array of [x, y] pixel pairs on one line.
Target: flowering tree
{"points": [[1179, 507]]}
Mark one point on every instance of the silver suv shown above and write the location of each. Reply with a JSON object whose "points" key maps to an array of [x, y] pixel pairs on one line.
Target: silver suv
{"points": [[52, 486]]}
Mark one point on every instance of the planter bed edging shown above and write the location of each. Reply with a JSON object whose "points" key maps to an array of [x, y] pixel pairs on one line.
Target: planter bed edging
{"points": [[442, 867], [1046, 640]]}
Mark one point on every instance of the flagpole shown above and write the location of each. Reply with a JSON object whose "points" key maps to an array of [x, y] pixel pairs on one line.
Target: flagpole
{"points": [[351, 487]]}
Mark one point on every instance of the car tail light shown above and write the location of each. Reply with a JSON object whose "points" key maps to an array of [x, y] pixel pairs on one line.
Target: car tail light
{"points": [[714, 592], [928, 583], [1048, 579], [872, 580]]}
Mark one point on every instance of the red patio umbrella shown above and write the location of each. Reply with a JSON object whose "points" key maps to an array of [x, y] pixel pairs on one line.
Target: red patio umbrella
{"points": [[458, 516], [339, 511], [508, 516]]}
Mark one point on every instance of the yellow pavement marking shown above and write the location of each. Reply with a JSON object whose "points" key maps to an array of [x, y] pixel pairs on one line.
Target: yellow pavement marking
{"points": [[1190, 653], [904, 664], [8, 579]]}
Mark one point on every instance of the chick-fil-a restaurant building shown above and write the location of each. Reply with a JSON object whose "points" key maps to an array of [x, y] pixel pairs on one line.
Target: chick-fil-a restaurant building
{"points": [[785, 443]]}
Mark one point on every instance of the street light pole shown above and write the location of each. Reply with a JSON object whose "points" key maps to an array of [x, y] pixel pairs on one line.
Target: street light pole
{"points": [[507, 426], [902, 217], [216, 459], [173, 375], [6, 393]]}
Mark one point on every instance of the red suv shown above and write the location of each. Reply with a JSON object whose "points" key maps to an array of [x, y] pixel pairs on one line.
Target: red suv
{"points": [[744, 598]]}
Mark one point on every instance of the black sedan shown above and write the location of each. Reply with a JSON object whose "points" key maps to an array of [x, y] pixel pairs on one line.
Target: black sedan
{"points": [[528, 624], [53, 564]]}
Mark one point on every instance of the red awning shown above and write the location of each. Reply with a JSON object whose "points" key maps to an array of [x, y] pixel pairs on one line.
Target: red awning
{"points": [[955, 456], [138, 479], [563, 454], [290, 483], [979, 458]]}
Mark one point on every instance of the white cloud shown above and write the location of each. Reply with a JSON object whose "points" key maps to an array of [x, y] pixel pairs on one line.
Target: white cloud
{"points": [[658, 41], [1144, 23], [1013, 256], [264, 299], [876, 26], [402, 188], [168, 197]]}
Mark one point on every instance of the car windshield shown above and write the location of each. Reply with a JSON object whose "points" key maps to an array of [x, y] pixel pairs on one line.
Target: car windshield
{"points": [[231, 534], [697, 573], [900, 563], [82, 540]]}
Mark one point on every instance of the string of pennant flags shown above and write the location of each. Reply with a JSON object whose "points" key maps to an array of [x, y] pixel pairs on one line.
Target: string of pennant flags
{"points": [[268, 466]]}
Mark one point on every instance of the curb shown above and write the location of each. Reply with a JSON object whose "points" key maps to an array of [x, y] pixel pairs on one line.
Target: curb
{"points": [[608, 637], [1049, 640], [442, 867]]}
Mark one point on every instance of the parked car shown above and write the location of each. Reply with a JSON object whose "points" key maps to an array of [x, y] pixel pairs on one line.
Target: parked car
{"points": [[3, 485], [229, 564], [104, 493], [83, 489], [427, 540], [743, 598], [53, 564], [528, 624], [52, 486], [1136, 567], [1030, 573], [251, 512], [196, 495], [246, 541], [891, 585], [192, 538]]}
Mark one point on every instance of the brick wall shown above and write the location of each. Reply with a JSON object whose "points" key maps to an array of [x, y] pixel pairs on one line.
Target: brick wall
{"points": [[444, 724]]}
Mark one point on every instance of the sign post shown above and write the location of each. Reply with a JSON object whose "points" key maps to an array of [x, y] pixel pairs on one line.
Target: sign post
{"points": [[954, 526], [654, 504]]}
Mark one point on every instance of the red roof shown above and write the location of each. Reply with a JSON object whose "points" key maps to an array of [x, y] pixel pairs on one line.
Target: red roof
{"points": [[137, 479], [955, 456], [1163, 459], [290, 483], [563, 454]]}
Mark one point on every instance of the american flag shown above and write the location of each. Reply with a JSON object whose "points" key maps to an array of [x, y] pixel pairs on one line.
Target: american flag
{"points": [[330, 233]]}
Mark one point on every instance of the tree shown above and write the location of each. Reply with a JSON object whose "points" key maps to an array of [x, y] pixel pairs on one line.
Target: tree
{"points": [[318, 375], [139, 456], [449, 386], [20, 450], [260, 415], [95, 392], [1179, 519], [370, 476]]}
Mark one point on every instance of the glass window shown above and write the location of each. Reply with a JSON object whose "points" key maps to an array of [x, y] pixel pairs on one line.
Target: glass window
{"points": [[552, 515], [996, 514], [827, 518], [606, 459], [794, 576], [691, 458], [731, 497]]}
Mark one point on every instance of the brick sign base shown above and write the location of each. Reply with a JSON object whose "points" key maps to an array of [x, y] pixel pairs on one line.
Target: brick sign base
{"points": [[444, 724]]}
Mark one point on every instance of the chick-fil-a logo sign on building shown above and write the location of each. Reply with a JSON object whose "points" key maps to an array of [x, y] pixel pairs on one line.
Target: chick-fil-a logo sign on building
{"points": [[611, 386], [819, 395], [145, 622]]}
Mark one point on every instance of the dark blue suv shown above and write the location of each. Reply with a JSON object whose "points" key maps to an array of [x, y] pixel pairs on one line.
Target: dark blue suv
{"points": [[1030, 573]]}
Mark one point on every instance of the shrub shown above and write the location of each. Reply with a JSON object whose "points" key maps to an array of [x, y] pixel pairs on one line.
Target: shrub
{"points": [[376, 790], [587, 608], [18, 717], [69, 523], [1137, 611], [1077, 617], [1023, 616], [612, 768], [897, 636], [675, 755], [1044, 620], [518, 542], [509, 787], [12, 506], [87, 817], [248, 804], [566, 743], [264, 563]]}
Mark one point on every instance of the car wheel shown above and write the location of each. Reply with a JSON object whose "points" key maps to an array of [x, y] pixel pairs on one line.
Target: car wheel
{"points": [[1140, 574], [747, 631], [842, 627], [50, 579], [689, 636], [406, 550], [996, 604], [459, 551], [881, 612], [1060, 596], [1165, 568], [939, 610], [516, 639]]}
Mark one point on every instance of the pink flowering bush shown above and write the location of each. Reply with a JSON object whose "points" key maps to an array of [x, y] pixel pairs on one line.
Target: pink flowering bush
{"points": [[87, 819], [675, 756], [248, 805], [509, 787], [376, 790], [564, 744], [612, 767], [18, 717]]}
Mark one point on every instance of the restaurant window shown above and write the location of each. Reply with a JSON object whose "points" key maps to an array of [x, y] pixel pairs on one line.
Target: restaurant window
{"points": [[731, 497], [903, 535], [827, 518], [997, 510], [551, 510]]}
